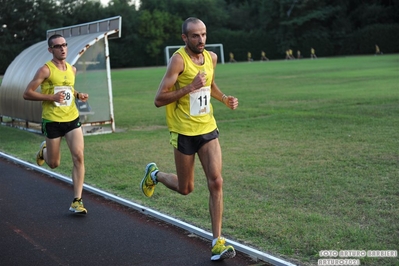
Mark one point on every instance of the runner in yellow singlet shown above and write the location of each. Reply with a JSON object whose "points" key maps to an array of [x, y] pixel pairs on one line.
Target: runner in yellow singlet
{"points": [[313, 53], [186, 91], [232, 60], [60, 116], [263, 56], [377, 50], [249, 56]]}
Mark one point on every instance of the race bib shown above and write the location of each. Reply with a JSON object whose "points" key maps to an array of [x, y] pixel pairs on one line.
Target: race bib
{"points": [[200, 101], [68, 95]]}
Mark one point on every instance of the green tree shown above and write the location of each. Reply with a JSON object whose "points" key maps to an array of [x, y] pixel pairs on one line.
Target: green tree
{"points": [[156, 27], [20, 23], [126, 51], [332, 27], [212, 12], [86, 11]]}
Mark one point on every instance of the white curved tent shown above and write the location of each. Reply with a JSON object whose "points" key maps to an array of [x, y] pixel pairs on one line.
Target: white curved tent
{"points": [[88, 52]]}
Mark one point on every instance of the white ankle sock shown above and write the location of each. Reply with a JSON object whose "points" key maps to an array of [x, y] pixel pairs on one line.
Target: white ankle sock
{"points": [[214, 242], [154, 176]]}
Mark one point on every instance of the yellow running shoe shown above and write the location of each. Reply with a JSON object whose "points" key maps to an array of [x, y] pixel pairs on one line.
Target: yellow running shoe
{"points": [[147, 184], [78, 207], [221, 252], [39, 154]]}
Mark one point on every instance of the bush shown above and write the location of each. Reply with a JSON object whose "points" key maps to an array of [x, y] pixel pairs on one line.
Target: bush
{"points": [[364, 40]]}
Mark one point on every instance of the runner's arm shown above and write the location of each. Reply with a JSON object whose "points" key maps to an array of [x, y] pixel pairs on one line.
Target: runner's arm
{"points": [[165, 95]]}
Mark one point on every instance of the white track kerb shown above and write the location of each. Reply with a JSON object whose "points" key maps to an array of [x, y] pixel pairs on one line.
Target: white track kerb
{"points": [[253, 253]]}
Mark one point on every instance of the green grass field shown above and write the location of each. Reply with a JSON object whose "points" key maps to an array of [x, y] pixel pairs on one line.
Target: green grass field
{"points": [[311, 156]]}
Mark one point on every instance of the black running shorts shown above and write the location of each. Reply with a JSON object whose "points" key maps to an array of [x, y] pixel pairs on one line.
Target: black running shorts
{"points": [[54, 130], [191, 144]]}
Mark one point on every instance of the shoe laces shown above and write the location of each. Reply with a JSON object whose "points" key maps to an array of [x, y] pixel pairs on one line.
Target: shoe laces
{"points": [[219, 245], [220, 241]]}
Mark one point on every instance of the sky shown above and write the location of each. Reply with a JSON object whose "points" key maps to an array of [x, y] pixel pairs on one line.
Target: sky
{"points": [[105, 2]]}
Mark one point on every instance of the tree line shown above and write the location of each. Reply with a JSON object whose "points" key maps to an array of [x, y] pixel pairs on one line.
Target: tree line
{"points": [[331, 27]]}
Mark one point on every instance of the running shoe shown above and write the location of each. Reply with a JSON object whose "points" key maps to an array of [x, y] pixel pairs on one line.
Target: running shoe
{"points": [[221, 252], [147, 184], [39, 154], [78, 207]]}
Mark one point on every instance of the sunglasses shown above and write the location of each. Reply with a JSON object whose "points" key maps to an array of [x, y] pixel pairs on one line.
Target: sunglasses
{"points": [[58, 46]]}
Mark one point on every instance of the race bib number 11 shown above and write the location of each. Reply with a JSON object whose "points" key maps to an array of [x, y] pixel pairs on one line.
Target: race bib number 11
{"points": [[200, 101], [68, 95]]}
